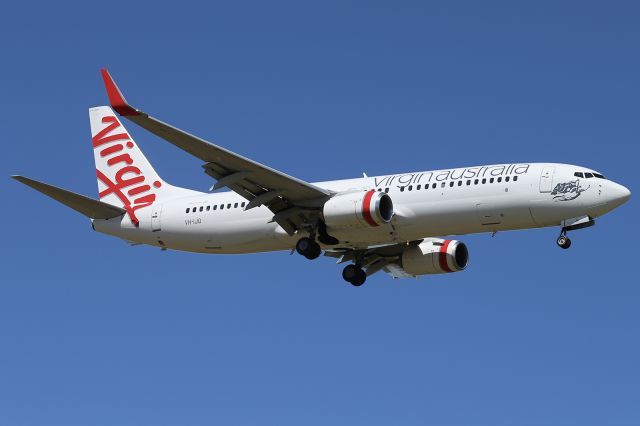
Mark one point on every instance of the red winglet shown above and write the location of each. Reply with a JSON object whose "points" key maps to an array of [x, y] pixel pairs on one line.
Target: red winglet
{"points": [[117, 101]]}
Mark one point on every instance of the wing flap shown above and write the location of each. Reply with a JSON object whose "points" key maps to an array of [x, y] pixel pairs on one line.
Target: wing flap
{"points": [[89, 207]]}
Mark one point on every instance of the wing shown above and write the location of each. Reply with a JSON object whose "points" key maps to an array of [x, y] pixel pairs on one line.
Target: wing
{"points": [[294, 202], [374, 259]]}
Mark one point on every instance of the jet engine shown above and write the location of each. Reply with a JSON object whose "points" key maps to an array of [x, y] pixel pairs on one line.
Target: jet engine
{"points": [[435, 256], [358, 209]]}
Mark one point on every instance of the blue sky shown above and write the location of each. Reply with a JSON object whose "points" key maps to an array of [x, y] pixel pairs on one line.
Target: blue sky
{"points": [[96, 332]]}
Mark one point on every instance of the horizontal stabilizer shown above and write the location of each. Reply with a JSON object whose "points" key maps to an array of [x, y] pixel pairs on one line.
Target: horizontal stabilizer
{"points": [[85, 205]]}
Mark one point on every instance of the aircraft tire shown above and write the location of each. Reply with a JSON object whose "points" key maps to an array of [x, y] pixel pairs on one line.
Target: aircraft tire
{"points": [[354, 275], [564, 242], [308, 248]]}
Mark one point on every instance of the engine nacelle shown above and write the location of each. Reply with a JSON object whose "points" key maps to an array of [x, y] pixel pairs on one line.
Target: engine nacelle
{"points": [[358, 209], [435, 256]]}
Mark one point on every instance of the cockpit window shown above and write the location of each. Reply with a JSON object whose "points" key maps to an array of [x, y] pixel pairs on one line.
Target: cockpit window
{"points": [[588, 175]]}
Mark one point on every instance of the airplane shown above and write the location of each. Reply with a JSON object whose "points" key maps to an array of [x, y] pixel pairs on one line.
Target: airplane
{"points": [[392, 223]]}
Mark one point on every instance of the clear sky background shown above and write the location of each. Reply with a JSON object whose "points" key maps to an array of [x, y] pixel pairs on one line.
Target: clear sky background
{"points": [[94, 332]]}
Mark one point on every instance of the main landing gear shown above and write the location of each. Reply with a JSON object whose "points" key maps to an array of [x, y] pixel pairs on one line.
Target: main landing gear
{"points": [[354, 274], [308, 248], [563, 241]]}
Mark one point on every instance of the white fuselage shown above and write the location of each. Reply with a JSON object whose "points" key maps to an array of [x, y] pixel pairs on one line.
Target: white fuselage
{"points": [[426, 204]]}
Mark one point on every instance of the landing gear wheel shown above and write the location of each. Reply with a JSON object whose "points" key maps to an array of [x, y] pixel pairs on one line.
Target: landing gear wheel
{"points": [[314, 252], [354, 275], [360, 278], [308, 248], [564, 242]]}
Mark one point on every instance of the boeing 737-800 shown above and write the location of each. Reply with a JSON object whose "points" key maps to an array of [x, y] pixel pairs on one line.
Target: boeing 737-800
{"points": [[387, 223]]}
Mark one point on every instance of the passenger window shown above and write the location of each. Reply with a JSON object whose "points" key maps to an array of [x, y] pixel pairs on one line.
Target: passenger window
{"points": [[208, 208], [201, 208], [500, 179], [221, 206], [418, 187], [229, 206], [442, 185], [451, 184], [578, 174], [515, 178], [459, 183], [507, 179], [484, 180], [410, 187], [491, 180], [235, 206], [469, 182], [588, 175], [386, 190], [242, 205], [434, 186], [215, 206], [402, 189], [475, 182]]}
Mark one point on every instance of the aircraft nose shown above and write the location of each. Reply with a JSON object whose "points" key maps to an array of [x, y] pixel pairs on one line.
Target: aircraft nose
{"points": [[619, 194]]}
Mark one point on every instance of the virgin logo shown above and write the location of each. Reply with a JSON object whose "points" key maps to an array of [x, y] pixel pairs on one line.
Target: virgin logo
{"points": [[128, 181]]}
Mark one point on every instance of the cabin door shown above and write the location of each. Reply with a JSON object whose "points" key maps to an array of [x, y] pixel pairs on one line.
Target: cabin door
{"points": [[546, 179]]}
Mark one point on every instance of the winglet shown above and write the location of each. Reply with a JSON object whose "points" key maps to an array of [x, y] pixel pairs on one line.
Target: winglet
{"points": [[117, 101]]}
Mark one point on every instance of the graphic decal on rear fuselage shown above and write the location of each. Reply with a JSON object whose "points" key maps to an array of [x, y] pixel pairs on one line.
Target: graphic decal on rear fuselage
{"points": [[567, 191], [453, 174]]}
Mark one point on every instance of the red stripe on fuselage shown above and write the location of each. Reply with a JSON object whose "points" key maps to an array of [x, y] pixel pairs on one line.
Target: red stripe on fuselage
{"points": [[366, 208], [443, 256]]}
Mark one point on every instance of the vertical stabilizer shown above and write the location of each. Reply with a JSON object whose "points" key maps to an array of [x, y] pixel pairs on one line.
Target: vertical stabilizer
{"points": [[125, 177]]}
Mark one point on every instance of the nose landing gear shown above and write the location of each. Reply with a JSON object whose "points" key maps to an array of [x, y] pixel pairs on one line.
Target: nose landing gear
{"points": [[564, 242], [572, 225]]}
